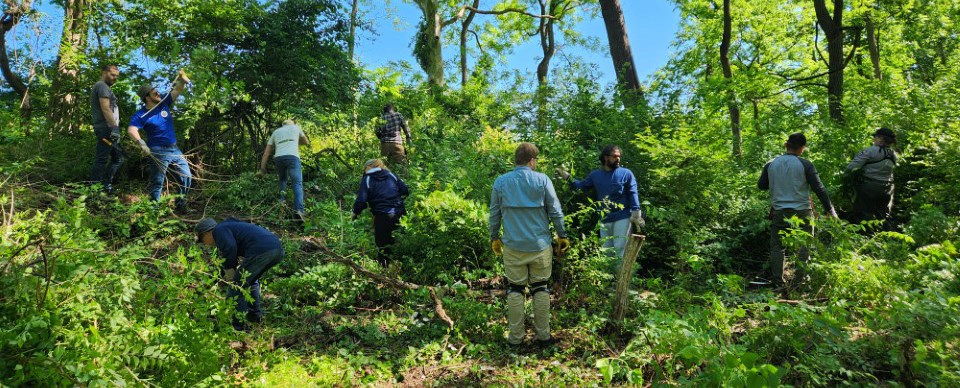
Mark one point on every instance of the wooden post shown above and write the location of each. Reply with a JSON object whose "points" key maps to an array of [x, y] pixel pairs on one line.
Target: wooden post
{"points": [[630, 254]]}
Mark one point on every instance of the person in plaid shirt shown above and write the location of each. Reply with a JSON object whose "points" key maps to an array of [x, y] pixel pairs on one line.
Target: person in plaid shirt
{"points": [[391, 142]]}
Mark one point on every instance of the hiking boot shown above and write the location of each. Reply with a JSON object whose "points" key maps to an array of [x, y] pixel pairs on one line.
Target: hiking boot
{"points": [[255, 318], [545, 344]]}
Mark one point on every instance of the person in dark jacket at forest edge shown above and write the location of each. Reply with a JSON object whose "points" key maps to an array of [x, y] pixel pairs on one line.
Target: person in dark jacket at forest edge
{"points": [[874, 199], [384, 193], [247, 247], [789, 179]]}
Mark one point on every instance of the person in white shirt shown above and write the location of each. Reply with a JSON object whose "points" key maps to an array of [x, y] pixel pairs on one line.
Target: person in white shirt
{"points": [[285, 144]]}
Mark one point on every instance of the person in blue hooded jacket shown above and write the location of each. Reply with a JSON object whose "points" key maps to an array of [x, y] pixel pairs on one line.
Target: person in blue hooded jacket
{"points": [[384, 193]]}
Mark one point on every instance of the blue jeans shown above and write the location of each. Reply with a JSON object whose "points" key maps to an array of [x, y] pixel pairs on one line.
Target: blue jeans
{"points": [[106, 153], [165, 157], [248, 277], [288, 167]]}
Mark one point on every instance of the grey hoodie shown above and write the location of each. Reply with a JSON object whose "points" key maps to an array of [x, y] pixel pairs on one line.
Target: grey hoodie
{"points": [[877, 163]]}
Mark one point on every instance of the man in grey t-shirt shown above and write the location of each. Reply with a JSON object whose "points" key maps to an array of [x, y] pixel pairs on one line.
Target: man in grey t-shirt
{"points": [[106, 126], [790, 178]]}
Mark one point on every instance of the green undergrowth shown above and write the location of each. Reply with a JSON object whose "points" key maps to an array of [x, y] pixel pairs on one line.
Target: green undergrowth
{"points": [[103, 292]]}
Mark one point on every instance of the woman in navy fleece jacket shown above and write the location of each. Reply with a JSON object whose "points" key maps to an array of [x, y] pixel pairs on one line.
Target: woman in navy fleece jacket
{"points": [[384, 193]]}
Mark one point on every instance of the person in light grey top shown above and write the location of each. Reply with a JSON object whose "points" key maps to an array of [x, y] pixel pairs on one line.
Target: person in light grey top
{"points": [[789, 178], [106, 126], [874, 198]]}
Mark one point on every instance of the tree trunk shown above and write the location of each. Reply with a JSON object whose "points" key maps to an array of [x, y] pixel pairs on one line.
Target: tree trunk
{"points": [[873, 46], [728, 75], [464, 28], [620, 51], [10, 18], [66, 96], [352, 43], [547, 42], [832, 27], [428, 48], [624, 277]]}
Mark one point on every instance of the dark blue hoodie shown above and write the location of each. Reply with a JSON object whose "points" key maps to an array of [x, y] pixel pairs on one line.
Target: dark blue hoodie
{"points": [[383, 191]]}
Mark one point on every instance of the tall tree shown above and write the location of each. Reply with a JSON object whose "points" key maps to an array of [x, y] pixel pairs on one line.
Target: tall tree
{"points": [[464, 29], [428, 47], [831, 23], [728, 75], [623, 63], [873, 45], [66, 99], [352, 42], [10, 18]]}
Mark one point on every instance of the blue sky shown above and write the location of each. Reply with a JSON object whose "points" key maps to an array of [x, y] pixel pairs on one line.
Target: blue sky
{"points": [[651, 27]]}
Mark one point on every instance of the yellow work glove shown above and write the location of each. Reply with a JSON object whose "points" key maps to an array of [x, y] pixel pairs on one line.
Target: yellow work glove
{"points": [[497, 247], [560, 246]]}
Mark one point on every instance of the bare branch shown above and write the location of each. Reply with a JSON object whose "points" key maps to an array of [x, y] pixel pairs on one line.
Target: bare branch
{"points": [[504, 11]]}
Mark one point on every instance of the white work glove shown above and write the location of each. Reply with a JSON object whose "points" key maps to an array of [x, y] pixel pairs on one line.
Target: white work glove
{"points": [[143, 146], [637, 219], [833, 213], [563, 173]]}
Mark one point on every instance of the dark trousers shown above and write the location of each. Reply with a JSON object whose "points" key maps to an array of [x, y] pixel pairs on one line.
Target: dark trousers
{"points": [[248, 277], [874, 201], [777, 252], [383, 227], [107, 158]]}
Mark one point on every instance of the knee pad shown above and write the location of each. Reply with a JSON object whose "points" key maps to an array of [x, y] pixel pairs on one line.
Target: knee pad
{"points": [[539, 287], [516, 289]]}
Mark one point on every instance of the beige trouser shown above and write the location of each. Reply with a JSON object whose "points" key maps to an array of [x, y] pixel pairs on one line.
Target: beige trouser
{"points": [[528, 269], [394, 152]]}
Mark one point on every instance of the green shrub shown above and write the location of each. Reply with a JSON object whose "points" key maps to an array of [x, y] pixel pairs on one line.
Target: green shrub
{"points": [[444, 233]]}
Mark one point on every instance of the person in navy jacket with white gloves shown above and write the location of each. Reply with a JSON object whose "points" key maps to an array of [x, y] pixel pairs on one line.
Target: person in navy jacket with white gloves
{"points": [[384, 193]]}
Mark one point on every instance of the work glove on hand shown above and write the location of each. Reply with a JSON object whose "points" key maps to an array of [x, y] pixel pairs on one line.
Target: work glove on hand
{"points": [[833, 213], [183, 76], [354, 216], [560, 246], [497, 247], [228, 276], [143, 146], [637, 219], [563, 173]]}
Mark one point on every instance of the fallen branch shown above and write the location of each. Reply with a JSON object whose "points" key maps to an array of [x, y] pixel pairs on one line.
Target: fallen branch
{"points": [[315, 244], [798, 302]]}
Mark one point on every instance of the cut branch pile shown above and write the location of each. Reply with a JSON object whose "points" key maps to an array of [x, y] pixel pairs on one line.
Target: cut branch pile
{"points": [[315, 244]]}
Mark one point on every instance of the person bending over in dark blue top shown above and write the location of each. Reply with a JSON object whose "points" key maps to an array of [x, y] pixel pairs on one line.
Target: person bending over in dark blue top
{"points": [[384, 193], [245, 248]]}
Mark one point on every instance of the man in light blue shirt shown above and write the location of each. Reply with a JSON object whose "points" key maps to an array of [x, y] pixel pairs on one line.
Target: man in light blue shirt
{"points": [[523, 202]]}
